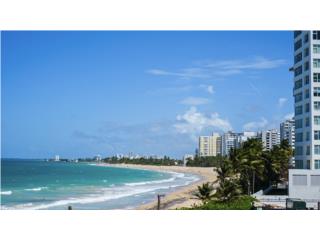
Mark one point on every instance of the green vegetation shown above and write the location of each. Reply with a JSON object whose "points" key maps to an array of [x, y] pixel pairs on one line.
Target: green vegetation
{"points": [[205, 161], [241, 203], [165, 161], [245, 171], [204, 192]]}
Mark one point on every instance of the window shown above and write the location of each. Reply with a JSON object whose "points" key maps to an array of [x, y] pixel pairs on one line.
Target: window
{"points": [[298, 71], [297, 58], [306, 38], [316, 48], [298, 97], [316, 77], [308, 136], [298, 151], [298, 110], [317, 149], [298, 164], [297, 33], [317, 164], [307, 121], [299, 137], [298, 84], [306, 94], [306, 80], [308, 150], [315, 179], [308, 164], [306, 66], [306, 52], [316, 135], [316, 91], [297, 44], [299, 180], [316, 105], [316, 63], [315, 35], [317, 120], [307, 108], [298, 123]]}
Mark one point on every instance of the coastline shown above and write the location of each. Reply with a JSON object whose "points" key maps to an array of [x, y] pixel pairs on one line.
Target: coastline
{"points": [[180, 197]]}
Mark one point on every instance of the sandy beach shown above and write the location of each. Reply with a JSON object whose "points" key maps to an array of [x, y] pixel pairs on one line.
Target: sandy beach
{"points": [[182, 197]]}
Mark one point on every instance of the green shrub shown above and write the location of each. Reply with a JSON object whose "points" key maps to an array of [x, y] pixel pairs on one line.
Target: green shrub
{"points": [[244, 202]]}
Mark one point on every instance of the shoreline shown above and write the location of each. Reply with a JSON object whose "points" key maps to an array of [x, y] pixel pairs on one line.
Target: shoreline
{"points": [[181, 196]]}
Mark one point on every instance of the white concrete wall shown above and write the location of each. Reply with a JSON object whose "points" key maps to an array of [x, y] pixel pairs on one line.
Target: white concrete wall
{"points": [[304, 190]]}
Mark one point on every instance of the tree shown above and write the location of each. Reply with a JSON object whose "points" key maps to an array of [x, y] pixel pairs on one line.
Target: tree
{"points": [[251, 166], [229, 188], [204, 192]]}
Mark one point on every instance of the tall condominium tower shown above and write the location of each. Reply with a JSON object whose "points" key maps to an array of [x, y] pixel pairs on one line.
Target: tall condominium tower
{"points": [[287, 131], [269, 138], [209, 145], [307, 99]]}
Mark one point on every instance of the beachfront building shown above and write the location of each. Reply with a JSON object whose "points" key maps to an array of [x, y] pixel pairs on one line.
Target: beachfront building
{"points": [[307, 99], [269, 138], [209, 145], [231, 140], [304, 181], [287, 131], [242, 137], [228, 142]]}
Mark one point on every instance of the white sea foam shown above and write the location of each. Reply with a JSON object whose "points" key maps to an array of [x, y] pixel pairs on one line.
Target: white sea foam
{"points": [[37, 189], [150, 182], [6, 193], [116, 192]]}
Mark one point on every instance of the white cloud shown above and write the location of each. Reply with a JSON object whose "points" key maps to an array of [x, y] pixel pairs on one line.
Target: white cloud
{"points": [[254, 126], [282, 101], [210, 89], [222, 68], [193, 122], [255, 64], [207, 88], [194, 101]]}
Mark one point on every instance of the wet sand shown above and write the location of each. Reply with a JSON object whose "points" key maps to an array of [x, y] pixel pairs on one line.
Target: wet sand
{"points": [[181, 197]]}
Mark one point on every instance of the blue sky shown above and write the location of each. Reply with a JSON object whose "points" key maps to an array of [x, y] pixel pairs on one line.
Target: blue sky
{"points": [[79, 94]]}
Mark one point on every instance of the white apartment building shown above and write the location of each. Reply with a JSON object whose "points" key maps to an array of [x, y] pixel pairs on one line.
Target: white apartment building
{"points": [[209, 145], [306, 94], [228, 141], [287, 131], [242, 137], [269, 138], [304, 182]]}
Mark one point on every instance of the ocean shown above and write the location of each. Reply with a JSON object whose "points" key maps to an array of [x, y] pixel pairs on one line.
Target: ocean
{"points": [[34, 184]]}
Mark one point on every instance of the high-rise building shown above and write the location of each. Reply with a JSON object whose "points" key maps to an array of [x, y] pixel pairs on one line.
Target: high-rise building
{"points": [[209, 145], [269, 138], [287, 131], [306, 93], [228, 141], [242, 137]]}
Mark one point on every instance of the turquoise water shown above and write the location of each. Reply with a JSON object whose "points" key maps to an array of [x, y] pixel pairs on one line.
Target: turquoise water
{"points": [[29, 184]]}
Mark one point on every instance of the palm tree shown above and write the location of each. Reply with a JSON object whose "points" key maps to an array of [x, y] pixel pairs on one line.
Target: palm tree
{"points": [[251, 166], [204, 192], [228, 182]]}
